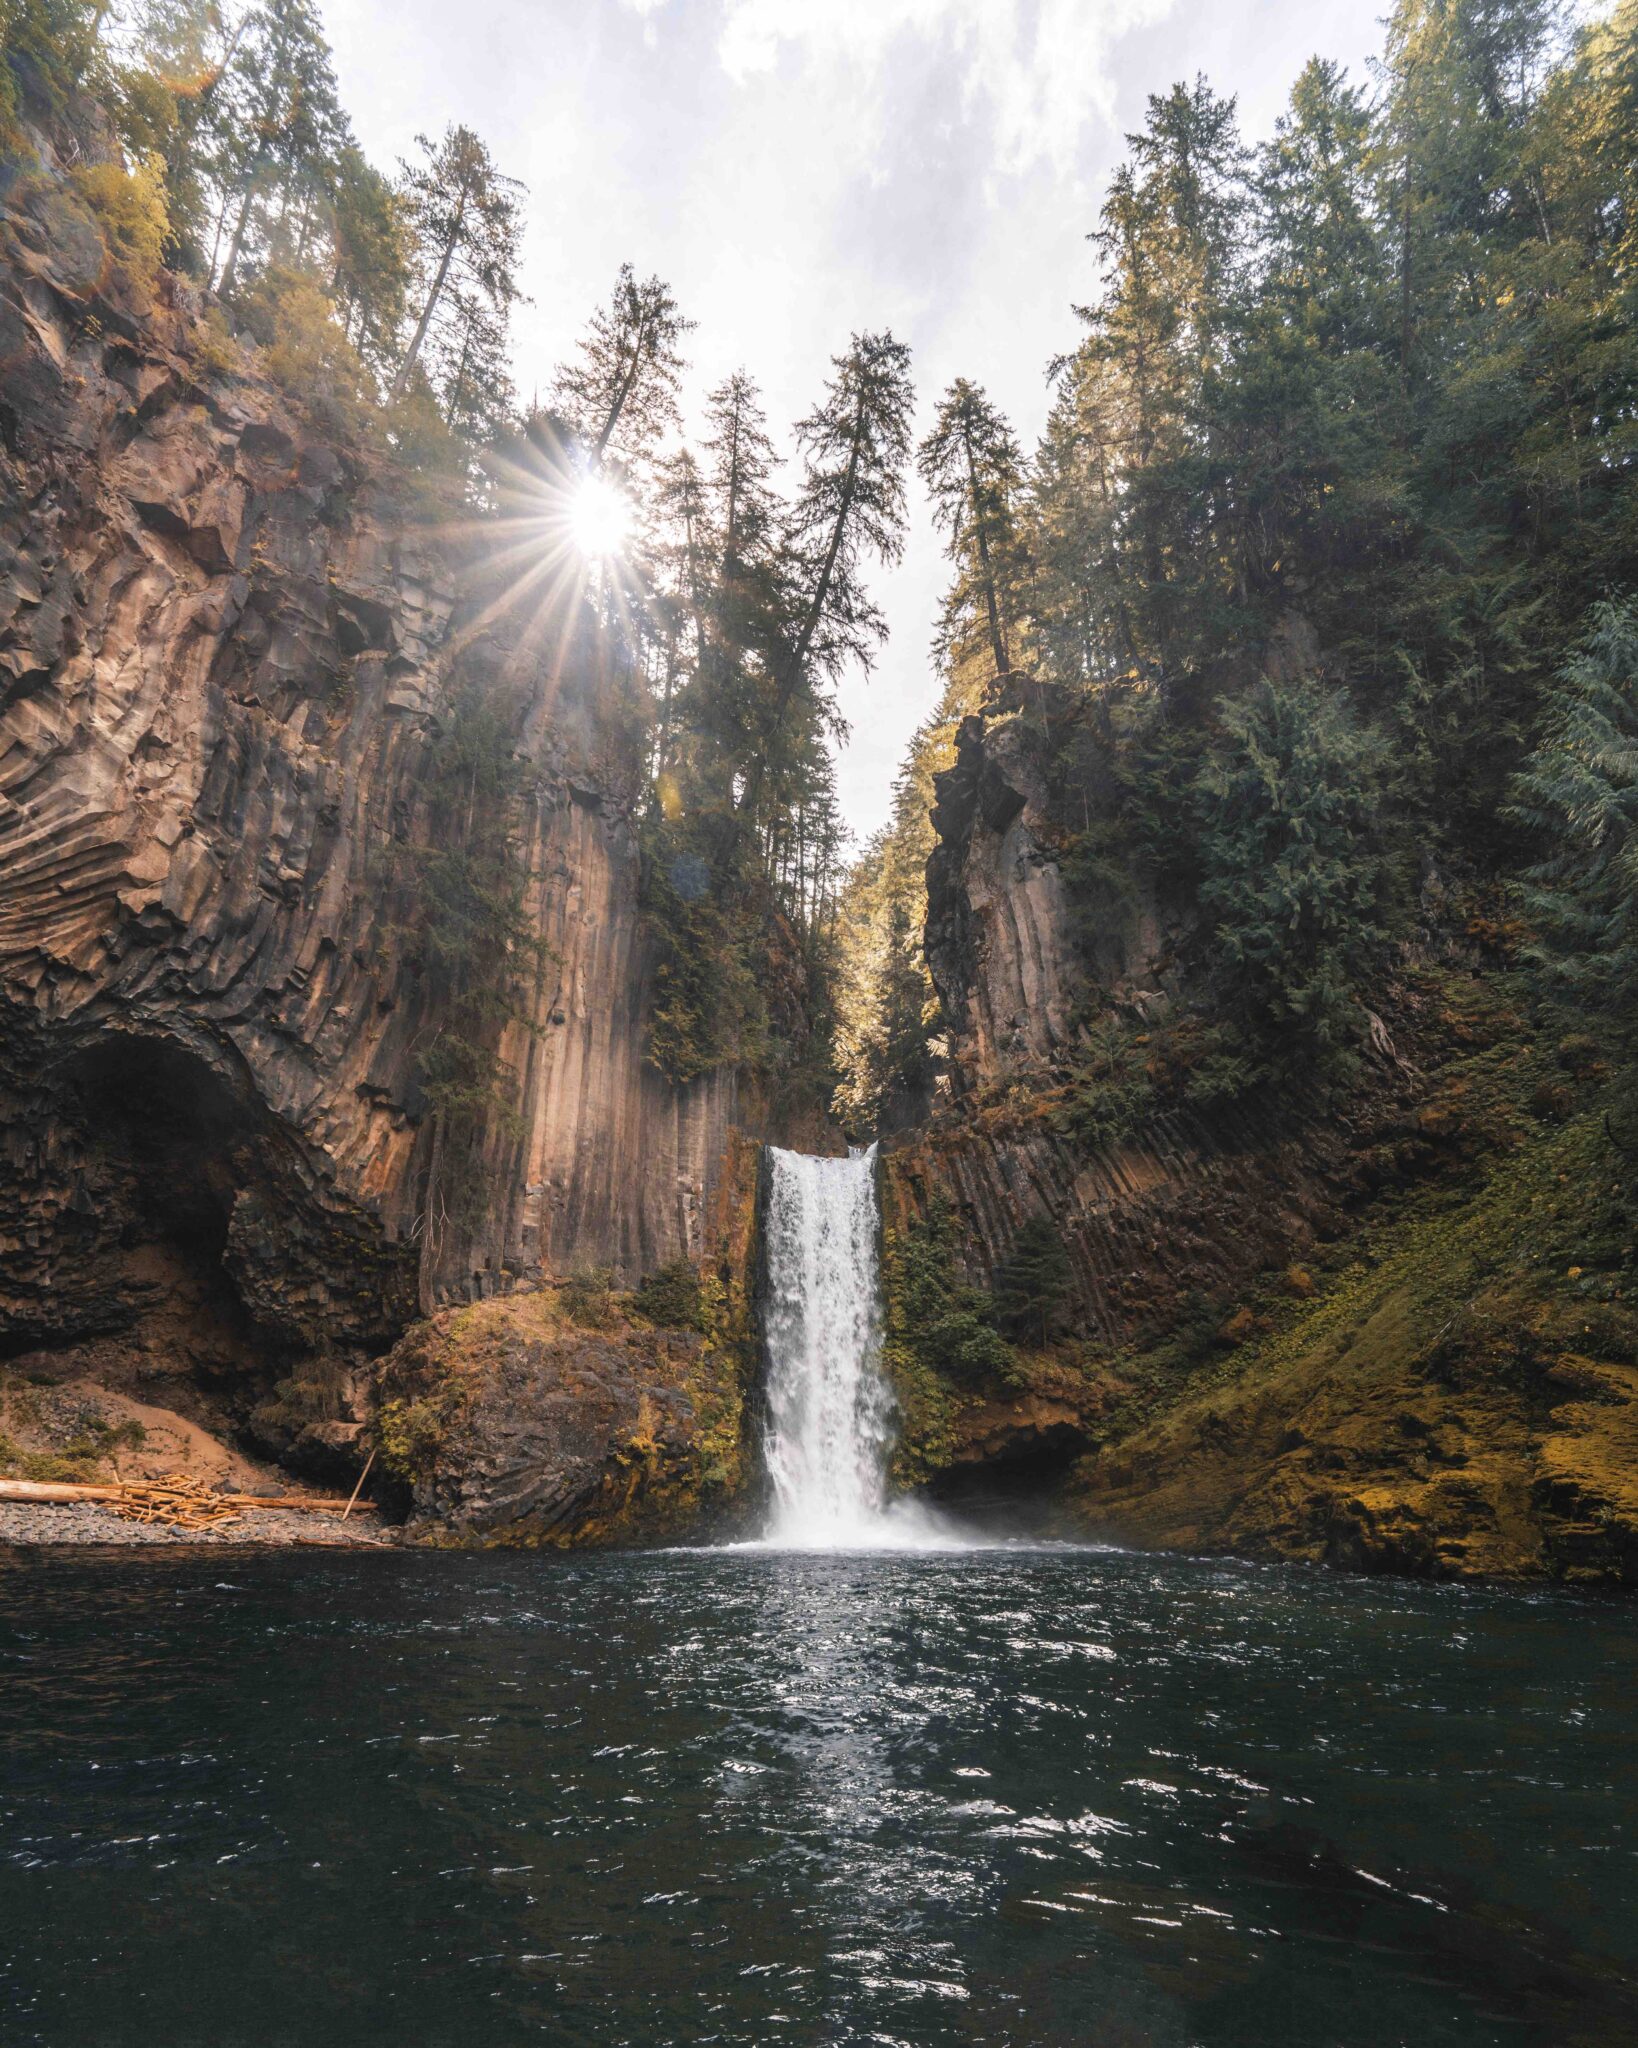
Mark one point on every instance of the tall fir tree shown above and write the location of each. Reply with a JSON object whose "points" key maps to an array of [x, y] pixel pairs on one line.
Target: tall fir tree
{"points": [[465, 218], [973, 469]]}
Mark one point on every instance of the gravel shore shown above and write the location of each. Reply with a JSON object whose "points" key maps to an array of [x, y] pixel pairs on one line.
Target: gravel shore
{"points": [[27, 1522]]}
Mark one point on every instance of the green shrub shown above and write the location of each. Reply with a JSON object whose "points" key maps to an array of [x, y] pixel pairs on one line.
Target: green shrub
{"points": [[671, 1297], [1032, 1282], [411, 1434], [1110, 1092], [129, 207], [587, 1297], [932, 1315], [1296, 881]]}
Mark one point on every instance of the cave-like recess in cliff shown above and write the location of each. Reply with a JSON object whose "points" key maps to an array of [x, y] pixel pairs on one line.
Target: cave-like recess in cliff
{"points": [[177, 1135]]}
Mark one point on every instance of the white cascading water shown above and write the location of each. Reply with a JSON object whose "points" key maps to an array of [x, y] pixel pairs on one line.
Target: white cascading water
{"points": [[830, 1410]]}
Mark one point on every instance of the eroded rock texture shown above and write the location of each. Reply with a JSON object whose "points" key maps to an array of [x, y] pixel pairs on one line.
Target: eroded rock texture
{"points": [[519, 1428], [562, 1416], [228, 637], [1024, 965], [1388, 1332]]}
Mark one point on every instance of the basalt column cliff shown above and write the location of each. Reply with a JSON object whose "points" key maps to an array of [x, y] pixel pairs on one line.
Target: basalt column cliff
{"points": [[1387, 1330], [229, 637]]}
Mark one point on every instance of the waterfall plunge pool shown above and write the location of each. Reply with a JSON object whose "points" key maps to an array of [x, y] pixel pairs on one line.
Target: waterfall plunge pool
{"points": [[871, 1780], [1023, 1798]]}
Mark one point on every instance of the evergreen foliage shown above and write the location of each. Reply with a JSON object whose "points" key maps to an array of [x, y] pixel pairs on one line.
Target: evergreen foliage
{"points": [[1578, 794], [1296, 885], [760, 605], [936, 1323], [1342, 459], [464, 224], [473, 941], [619, 393], [973, 470], [1032, 1282], [241, 170], [672, 1298], [1341, 463]]}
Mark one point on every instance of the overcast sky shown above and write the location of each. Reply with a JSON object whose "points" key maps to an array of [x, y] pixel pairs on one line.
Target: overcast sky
{"points": [[799, 169]]}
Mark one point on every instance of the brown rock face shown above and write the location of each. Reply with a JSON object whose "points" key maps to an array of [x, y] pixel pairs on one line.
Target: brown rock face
{"points": [[517, 1428], [1189, 1206], [1014, 962], [228, 638]]}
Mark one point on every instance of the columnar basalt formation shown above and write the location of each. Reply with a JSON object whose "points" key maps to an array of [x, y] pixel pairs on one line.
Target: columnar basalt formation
{"points": [[229, 635], [1023, 967], [1380, 1331], [1017, 957]]}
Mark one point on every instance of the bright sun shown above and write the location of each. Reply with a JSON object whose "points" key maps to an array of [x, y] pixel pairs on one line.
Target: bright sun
{"points": [[599, 519]]}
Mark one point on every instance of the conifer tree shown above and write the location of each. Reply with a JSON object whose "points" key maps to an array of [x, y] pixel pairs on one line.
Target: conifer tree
{"points": [[971, 465], [1169, 240], [282, 130], [746, 595], [619, 392], [370, 276], [855, 446], [1296, 875], [742, 461], [1578, 794], [1032, 1281], [465, 218], [179, 92]]}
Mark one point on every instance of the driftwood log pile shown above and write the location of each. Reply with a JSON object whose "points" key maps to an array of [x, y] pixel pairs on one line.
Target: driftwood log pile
{"points": [[180, 1501]]}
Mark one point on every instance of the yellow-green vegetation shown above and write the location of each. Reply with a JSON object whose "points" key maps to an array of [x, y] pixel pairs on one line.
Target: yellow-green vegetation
{"points": [[587, 1297], [411, 1433], [1458, 1395], [313, 1393], [719, 1380], [429, 1378], [304, 348], [129, 208]]}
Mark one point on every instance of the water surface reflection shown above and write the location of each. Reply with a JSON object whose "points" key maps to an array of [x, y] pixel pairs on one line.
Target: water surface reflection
{"points": [[1003, 1797]]}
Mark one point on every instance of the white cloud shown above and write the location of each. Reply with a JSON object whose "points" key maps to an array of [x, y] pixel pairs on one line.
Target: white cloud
{"points": [[1040, 65]]}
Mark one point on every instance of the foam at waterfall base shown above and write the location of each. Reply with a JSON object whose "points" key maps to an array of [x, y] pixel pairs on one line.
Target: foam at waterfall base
{"points": [[902, 1524]]}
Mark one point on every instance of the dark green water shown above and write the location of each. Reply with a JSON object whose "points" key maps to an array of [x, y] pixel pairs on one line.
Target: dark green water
{"points": [[997, 1797]]}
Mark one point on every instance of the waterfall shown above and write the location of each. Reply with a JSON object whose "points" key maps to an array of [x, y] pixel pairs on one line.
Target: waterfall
{"points": [[830, 1411]]}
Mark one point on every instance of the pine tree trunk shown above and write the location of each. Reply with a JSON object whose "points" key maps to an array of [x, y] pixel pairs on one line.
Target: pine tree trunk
{"points": [[243, 222], [997, 644], [418, 338], [620, 397]]}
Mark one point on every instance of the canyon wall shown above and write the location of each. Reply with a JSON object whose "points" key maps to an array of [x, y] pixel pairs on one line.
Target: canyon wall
{"points": [[229, 634], [1026, 964], [1389, 1331]]}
